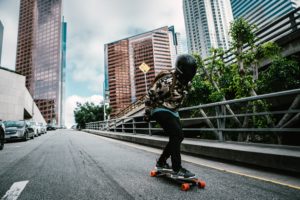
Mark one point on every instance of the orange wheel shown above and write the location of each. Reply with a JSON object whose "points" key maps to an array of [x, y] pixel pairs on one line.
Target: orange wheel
{"points": [[153, 173], [201, 184], [185, 186]]}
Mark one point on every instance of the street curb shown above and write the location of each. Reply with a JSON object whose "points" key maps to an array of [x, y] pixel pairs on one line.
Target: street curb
{"points": [[270, 156]]}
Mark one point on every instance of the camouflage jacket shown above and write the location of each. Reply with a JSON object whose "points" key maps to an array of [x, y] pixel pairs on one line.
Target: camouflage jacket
{"points": [[166, 92]]}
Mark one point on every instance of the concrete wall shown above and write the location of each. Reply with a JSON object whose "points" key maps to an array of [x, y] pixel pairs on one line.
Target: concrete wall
{"points": [[15, 98]]}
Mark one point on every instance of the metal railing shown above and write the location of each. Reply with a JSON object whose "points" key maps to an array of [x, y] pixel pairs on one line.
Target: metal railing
{"points": [[279, 28], [259, 116]]}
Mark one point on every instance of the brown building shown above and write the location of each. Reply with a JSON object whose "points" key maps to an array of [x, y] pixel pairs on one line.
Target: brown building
{"points": [[39, 54], [123, 78], [118, 60]]}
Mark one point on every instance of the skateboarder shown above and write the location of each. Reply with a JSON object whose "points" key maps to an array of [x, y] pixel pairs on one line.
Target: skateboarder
{"points": [[165, 96]]}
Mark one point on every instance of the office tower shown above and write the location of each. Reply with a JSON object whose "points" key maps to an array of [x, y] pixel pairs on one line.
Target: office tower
{"points": [[39, 54], [63, 71], [207, 25], [1, 39], [262, 12], [124, 80], [175, 44]]}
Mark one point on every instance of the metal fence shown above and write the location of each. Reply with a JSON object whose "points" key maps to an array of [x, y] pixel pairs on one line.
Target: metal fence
{"points": [[274, 115], [285, 25], [267, 118]]}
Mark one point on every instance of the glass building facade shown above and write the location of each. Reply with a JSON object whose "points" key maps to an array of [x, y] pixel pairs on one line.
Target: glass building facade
{"points": [[262, 12], [207, 24], [63, 71], [40, 55], [124, 80]]}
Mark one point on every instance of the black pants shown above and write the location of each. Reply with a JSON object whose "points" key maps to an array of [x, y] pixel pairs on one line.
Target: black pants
{"points": [[172, 127]]}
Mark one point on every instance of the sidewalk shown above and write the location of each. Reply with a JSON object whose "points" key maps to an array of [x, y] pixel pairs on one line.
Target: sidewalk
{"points": [[285, 158]]}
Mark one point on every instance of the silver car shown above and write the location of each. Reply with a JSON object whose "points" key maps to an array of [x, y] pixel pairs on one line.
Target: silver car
{"points": [[18, 130], [43, 128], [36, 128]]}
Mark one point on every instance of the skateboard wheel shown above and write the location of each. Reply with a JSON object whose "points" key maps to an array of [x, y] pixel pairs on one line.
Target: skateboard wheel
{"points": [[153, 173], [185, 186], [201, 184]]}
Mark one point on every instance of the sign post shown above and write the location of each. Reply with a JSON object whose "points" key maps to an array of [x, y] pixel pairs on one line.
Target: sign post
{"points": [[145, 68]]}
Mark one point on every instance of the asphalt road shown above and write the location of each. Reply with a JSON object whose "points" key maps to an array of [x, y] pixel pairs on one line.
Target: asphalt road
{"points": [[67, 164]]}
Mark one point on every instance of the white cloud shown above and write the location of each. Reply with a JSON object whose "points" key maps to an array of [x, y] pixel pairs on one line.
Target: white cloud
{"points": [[90, 25], [71, 103], [93, 23]]}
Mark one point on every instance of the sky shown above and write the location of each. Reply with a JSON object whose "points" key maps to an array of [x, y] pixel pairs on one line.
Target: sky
{"points": [[90, 25]]}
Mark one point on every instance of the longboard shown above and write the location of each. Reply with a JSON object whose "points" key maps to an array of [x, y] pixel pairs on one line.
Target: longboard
{"points": [[186, 183]]}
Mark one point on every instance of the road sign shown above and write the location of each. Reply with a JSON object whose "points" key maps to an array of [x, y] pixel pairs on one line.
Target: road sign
{"points": [[144, 68]]}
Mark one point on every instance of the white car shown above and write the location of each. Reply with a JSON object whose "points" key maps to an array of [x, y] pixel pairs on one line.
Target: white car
{"points": [[43, 128], [36, 127]]}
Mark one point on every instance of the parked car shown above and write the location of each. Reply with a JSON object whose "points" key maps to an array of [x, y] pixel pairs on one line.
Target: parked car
{"points": [[36, 127], [43, 128], [18, 130], [2, 135], [50, 127]]}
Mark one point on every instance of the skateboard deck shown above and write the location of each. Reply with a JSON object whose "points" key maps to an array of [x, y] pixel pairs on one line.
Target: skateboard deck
{"points": [[186, 183]]}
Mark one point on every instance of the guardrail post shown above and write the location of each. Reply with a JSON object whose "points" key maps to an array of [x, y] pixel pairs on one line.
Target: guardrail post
{"points": [[133, 126], [122, 121], [220, 112], [115, 125], [149, 128]]}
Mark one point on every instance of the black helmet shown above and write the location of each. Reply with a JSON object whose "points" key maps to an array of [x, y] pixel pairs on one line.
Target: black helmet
{"points": [[186, 68]]}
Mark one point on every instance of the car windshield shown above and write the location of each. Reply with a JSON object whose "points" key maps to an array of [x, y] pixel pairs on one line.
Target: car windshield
{"points": [[32, 123], [18, 124]]}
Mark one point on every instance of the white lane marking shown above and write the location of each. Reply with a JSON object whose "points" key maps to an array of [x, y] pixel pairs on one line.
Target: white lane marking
{"points": [[15, 190]]}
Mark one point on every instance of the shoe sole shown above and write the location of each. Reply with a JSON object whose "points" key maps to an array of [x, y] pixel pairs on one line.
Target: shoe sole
{"points": [[163, 169]]}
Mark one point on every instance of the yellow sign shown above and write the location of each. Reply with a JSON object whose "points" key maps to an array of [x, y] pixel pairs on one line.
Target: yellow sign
{"points": [[144, 68]]}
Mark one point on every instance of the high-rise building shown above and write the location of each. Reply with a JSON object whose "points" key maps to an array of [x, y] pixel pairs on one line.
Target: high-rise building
{"points": [[207, 25], [1, 39], [124, 80], [261, 12], [63, 71], [40, 55], [176, 44]]}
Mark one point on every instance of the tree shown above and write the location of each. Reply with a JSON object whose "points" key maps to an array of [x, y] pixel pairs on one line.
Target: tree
{"points": [[243, 77], [88, 112]]}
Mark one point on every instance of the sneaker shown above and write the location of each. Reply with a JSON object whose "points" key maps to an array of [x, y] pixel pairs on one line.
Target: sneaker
{"points": [[164, 167], [183, 173]]}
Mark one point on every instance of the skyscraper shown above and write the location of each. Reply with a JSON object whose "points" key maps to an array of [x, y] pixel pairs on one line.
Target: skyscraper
{"points": [[39, 55], [63, 71], [261, 12], [207, 24], [123, 78], [1, 39], [175, 44]]}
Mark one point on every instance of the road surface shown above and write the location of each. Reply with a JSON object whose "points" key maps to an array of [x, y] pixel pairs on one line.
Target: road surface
{"points": [[66, 164]]}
